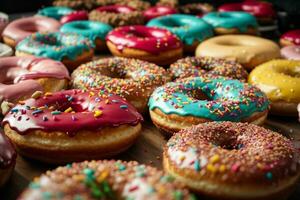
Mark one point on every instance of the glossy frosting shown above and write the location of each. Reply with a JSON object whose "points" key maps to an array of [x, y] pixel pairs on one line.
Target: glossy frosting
{"points": [[3, 21], [188, 28], [71, 111], [5, 50], [228, 100], [21, 28], [56, 12], [7, 152], [279, 79], [18, 75], [293, 36], [149, 39], [116, 9], [89, 29], [291, 52], [74, 16], [158, 11], [55, 45], [239, 20]]}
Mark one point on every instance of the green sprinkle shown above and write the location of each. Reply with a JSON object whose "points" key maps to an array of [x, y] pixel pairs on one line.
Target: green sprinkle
{"points": [[56, 112], [178, 195], [197, 165]]}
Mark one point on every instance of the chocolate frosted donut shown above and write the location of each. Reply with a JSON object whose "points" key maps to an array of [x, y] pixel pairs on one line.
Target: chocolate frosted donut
{"points": [[106, 180], [233, 161]]}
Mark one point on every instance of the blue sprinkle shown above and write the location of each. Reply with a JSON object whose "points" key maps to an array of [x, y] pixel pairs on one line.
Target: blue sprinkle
{"points": [[37, 112], [197, 165], [123, 106], [70, 98], [14, 110]]}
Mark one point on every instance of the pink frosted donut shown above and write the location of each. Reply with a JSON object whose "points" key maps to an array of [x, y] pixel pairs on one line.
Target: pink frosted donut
{"points": [[75, 16], [21, 77], [291, 52], [21, 28], [158, 11]]}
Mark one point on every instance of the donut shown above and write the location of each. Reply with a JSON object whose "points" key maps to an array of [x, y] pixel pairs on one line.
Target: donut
{"points": [[146, 43], [290, 38], [139, 5], [170, 3], [227, 160], [69, 48], [191, 30], [4, 19], [181, 104], [280, 80], [232, 22], [55, 12], [107, 179], [158, 11], [21, 28], [95, 31], [5, 50], [74, 16], [7, 158], [198, 9], [117, 15], [291, 52], [249, 51], [132, 79], [75, 4], [22, 77], [72, 125], [199, 66]]}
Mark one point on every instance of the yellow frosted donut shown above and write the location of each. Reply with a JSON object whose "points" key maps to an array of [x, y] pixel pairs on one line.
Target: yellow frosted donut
{"points": [[249, 51], [280, 80]]}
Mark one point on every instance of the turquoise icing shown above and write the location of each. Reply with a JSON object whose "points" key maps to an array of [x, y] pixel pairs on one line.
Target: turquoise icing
{"points": [[228, 20], [229, 100], [89, 29], [188, 28], [55, 45], [55, 12]]}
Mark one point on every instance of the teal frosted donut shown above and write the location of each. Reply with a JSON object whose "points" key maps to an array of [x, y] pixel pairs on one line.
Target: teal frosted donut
{"points": [[95, 31], [181, 104], [190, 29], [232, 22], [70, 48], [55, 12]]}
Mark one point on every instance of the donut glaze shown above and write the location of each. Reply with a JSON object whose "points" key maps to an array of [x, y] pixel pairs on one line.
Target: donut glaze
{"points": [[292, 36], [56, 12], [158, 11], [150, 39], [232, 160], [229, 20], [71, 111], [18, 75], [8, 153], [106, 180], [74, 16], [188, 28], [21, 28], [228, 100], [55, 45], [5, 50], [291, 52]]}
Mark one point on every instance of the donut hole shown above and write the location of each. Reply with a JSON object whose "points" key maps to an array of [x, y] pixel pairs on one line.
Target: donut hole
{"points": [[198, 95], [172, 23], [134, 33], [231, 43], [113, 72], [291, 73], [82, 26], [228, 143]]}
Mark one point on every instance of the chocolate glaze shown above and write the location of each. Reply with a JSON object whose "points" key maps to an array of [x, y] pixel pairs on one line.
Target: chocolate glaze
{"points": [[7, 152], [42, 113]]}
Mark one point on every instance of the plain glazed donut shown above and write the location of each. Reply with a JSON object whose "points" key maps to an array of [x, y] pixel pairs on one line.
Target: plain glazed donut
{"points": [[77, 15], [290, 38], [117, 15], [72, 125], [152, 44], [7, 158], [21, 77], [181, 104], [106, 180], [280, 80], [232, 22], [291, 52], [18, 29], [69, 48], [132, 79], [249, 51], [199, 66], [226, 160]]}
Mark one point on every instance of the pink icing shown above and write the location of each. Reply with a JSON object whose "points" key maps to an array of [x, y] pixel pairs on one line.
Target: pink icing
{"points": [[158, 11], [116, 9], [17, 75], [37, 113], [74, 16], [20, 28], [149, 39], [292, 36], [230, 7], [291, 52]]}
